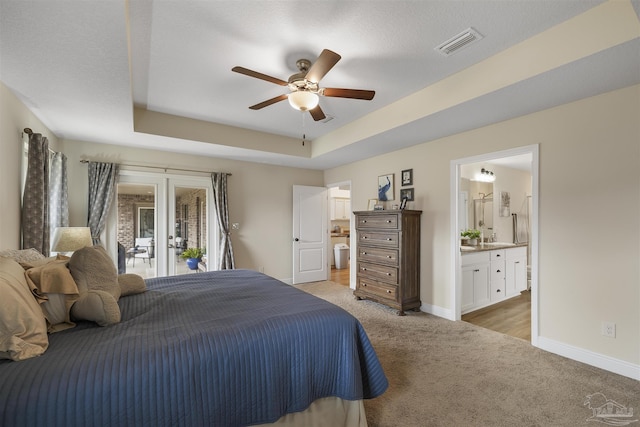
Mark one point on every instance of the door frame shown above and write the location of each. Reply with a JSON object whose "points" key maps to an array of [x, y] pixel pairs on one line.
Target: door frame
{"points": [[212, 234], [352, 246], [162, 183], [456, 283]]}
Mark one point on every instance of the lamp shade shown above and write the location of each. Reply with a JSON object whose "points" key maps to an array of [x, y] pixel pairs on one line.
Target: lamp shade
{"points": [[69, 239], [303, 100]]}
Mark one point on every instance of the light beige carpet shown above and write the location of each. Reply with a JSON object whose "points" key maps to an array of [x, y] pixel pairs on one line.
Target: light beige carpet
{"points": [[444, 373]]}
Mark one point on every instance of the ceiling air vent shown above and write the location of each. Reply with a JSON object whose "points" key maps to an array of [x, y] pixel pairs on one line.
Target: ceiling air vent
{"points": [[459, 41]]}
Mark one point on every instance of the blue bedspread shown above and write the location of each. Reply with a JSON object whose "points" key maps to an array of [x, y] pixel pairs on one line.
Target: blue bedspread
{"points": [[226, 348]]}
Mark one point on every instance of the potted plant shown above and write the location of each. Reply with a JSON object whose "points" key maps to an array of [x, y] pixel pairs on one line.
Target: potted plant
{"points": [[193, 257], [472, 235]]}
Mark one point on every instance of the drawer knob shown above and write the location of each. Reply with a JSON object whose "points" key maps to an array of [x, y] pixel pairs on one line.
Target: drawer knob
{"points": [[388, 221], [389, 239], [364, 285], [498, 290], [476, 270], [388, 291], [497, 271], [364, 221], [497, 255], [388, 274], [363, 253], [389, 256]]}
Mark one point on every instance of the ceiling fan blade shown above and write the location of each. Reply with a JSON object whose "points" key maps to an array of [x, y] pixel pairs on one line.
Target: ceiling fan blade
{"points": [[269, 102], [349, 93], [317, 113], [323, 64], [257, 75]]}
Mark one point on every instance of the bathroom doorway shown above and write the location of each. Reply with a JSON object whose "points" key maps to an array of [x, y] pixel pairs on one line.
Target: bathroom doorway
{"points": [[506, 211], [340, 218]]}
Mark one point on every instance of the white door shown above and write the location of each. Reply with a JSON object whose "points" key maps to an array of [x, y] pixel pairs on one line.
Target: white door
{"points": [[191, 223], [182, 216], [310, 234]]}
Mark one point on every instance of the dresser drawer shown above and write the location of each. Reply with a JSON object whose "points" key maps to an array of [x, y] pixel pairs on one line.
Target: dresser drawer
{"points": [[378, 255], [388, 221], [380, 272], [389, 240], [380, 290]]}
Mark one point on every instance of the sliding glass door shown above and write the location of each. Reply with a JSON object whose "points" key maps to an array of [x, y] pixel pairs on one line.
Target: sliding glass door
{"points": [[157, 218]]}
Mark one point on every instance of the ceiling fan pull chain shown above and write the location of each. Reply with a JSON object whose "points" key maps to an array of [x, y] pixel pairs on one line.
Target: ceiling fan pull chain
{"points": [[304, 134]]}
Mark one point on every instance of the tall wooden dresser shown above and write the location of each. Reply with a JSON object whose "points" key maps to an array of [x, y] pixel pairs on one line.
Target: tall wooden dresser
{"points": [[389, 258]]}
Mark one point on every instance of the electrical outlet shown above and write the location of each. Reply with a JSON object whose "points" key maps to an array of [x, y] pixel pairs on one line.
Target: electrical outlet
{"points": [[609, 329]]}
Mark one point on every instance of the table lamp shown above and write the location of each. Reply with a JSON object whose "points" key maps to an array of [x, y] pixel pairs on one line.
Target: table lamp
{"points": [[66, 240]]}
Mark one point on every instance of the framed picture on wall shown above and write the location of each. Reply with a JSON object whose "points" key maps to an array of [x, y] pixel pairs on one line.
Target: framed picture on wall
{"points": [[407, 177], [406, 193], [505, 203], [385, 187]]}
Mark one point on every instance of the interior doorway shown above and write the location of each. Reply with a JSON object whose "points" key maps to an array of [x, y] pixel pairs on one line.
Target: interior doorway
{"points": [[489, 209], [340, 221]]}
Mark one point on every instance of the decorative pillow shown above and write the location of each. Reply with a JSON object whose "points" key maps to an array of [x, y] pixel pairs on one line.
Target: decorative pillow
{"points": [[97, 280], [56, 291], [23, 328], [22, 255], [131, 284], [43, 261]]}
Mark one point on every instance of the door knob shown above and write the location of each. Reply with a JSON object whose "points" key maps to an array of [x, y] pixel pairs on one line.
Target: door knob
{"points": [[170, 237]]}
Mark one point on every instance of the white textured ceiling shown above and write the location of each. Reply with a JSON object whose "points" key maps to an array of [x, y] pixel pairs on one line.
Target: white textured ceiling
{"points": [[81, 66]]}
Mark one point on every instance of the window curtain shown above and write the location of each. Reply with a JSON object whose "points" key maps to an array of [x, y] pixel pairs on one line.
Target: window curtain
{"points": [[102, 190], [225, 253], [58, 193], [35, 200]]}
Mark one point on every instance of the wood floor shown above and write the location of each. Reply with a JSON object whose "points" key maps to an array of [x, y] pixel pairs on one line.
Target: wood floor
{"points": [[340, 276], [511, 317]]}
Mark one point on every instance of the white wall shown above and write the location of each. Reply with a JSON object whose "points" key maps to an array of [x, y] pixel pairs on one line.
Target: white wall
{"points": [[589, 214], [14, 117], [260, 198]]}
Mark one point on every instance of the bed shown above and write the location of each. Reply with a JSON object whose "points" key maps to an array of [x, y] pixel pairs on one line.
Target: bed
{"points": [[222, 348]]}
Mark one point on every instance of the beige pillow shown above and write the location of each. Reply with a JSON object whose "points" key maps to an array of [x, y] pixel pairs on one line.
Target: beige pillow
{"points": [[97, 280], [22, 255], [23, 328], [56, 291], [43, 261]]}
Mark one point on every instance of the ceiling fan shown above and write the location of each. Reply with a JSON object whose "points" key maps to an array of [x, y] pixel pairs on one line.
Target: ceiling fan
{"points": [[305, 85]]}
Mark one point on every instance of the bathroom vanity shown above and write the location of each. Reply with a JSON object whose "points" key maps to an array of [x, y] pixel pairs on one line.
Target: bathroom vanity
{"points": [[492, 273]]}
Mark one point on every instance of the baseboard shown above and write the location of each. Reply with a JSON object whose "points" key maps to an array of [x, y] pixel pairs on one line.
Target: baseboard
{"points": [[437, 311], [590, 358]]}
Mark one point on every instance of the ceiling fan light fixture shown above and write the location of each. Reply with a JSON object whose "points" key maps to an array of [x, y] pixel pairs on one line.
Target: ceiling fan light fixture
{"points": [[303, 100]]}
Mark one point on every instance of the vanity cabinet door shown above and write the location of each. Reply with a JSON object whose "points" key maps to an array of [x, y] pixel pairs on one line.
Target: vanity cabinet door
{"points": [[475, 286], [516, 271]]}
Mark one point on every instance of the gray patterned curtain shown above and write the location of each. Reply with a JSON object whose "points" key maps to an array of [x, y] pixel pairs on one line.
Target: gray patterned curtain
{"points": [[35, 200], [225, 259], [102, 189], [58, 194]]}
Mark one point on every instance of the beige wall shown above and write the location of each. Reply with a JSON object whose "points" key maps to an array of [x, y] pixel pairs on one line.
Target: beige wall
{"points": [[589, 214], [14, 117], [260, 198]]}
